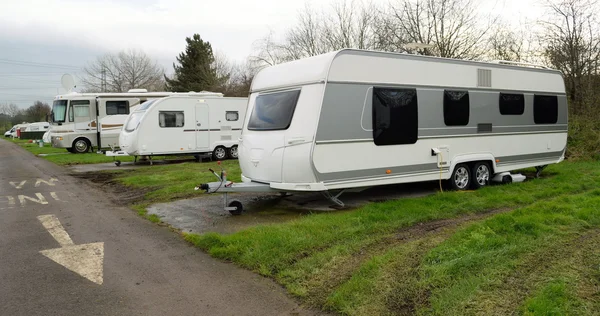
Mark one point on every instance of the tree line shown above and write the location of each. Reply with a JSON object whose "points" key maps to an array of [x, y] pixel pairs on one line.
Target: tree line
{"points": [[11, 114]]}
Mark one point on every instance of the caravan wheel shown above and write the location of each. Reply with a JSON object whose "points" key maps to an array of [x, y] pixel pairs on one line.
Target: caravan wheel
{"points": [[461, 177], [233, 152], [481, 175], [219, 153]]}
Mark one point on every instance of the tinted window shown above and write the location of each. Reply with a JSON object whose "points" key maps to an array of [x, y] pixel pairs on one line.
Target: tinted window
{"points": [[147, 104], [456, 108], [117, 107], [512, 104], [232, 115], [545, 109], [170, 119], [133, 121], [273, 111], [395, 116]]}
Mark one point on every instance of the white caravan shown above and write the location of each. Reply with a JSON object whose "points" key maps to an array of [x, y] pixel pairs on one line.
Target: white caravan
{"points": [[81, 121], [356, 119], [37, 127], [184, 125]]}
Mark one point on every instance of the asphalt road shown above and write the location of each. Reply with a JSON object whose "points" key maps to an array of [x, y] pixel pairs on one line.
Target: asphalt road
{"points": [[66, 250]]}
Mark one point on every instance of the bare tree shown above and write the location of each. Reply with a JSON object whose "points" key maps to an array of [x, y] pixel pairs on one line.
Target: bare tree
{"points": [[453, 28], [125, 70], [572, 44], [344, 25]]}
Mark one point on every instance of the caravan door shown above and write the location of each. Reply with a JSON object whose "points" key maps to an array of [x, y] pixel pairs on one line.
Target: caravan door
{"points": [[202, 126]]}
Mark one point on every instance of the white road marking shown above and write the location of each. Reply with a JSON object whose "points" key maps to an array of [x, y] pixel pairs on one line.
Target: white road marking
{"points": [[54, 196], [18, 186], [50, 183], [86, 260], [11, 200], [53, 226], [40, 199]]}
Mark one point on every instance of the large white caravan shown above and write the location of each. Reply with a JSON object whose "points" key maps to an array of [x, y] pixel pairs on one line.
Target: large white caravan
{"points": [[355, 119], [81, 121], [183, 125]]}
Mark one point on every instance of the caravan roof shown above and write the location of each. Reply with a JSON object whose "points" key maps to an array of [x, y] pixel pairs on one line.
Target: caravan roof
{"points": [[362, 66]]}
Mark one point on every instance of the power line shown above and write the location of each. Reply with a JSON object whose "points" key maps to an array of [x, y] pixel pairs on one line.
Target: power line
{"points": [[36, 64]]}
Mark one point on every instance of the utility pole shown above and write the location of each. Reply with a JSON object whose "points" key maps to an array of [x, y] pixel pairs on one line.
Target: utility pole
{"points": [[103, 80]]}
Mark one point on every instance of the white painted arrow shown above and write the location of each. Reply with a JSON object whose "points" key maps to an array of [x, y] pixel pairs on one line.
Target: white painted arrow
{"points": [[86, 260]]}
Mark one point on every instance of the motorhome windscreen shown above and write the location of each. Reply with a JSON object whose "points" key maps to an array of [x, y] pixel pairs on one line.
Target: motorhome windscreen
{"points": [[273, 111], [59, 110], [133, 121]]}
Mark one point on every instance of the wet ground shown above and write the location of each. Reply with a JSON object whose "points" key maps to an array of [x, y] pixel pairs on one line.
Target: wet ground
{"points": [[206, 214], [127, 165]]}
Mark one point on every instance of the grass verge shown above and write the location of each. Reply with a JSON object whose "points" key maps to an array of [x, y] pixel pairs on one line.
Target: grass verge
{"points": [[307, 254]]}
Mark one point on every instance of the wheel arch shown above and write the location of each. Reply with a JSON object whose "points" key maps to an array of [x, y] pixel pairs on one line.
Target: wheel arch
{"points": [[472, 159]]}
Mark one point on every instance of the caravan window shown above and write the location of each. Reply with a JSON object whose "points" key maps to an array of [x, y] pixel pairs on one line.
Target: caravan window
{"points": [[170, 118], [395, 116], [232, 115], [117, 107], [133, 121], [273, 111], [512, 104], [456, 108], [545, 109]]}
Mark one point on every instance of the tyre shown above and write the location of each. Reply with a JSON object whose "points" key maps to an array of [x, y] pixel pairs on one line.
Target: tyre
{"points": [[480, 175], [81, 145], [239, 207], [70, 150], [219, 153], [232, 152], [461, 177]]}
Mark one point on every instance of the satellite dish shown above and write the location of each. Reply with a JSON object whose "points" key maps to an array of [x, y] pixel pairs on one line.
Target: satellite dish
{"points": [[67, 82]]}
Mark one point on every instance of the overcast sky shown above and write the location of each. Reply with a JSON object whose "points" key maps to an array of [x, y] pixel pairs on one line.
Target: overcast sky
{"points": [[42, 39]]}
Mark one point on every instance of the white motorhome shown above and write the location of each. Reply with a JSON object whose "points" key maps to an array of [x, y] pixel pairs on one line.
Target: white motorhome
{"points": [[356, 119], [185, 125], [81, 121]]}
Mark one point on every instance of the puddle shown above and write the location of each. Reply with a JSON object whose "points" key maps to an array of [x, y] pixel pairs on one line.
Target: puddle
{"points": [[206, 214]]}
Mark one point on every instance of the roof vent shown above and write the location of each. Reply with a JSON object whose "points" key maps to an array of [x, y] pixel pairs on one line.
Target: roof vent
{"points": [[137, 91]]}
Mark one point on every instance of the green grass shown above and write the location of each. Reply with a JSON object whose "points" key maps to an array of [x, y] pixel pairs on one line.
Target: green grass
{"points": [[349, 261], [175, 181], [61, 156]]}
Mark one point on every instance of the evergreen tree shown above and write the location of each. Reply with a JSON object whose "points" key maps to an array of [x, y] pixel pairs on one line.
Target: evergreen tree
{"points": [[196, 71]]}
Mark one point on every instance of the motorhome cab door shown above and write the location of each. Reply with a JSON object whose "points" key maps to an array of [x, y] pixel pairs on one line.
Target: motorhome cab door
{"points": [[80, 112], [202, 126]]}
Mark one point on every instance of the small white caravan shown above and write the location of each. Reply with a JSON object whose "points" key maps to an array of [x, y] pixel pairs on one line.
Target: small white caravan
{"points": [[355, 119], [81, 121], [185, 125], [37, 127]]}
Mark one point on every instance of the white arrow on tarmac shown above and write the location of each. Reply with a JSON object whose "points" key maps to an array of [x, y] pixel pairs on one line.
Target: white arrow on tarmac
{"points": [[85, 260]]}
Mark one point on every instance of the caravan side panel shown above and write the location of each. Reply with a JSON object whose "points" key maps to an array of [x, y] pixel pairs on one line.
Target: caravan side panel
{"points": [[345, 150]]}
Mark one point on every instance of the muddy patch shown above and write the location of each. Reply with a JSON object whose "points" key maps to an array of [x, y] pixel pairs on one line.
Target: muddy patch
{"points": [[119, 193], [206, 213]]}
